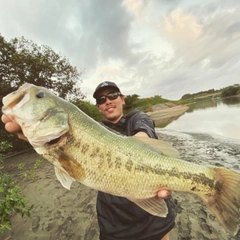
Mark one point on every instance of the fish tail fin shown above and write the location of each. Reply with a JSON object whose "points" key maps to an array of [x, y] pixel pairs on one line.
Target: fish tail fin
{"points": [[225, 203]]}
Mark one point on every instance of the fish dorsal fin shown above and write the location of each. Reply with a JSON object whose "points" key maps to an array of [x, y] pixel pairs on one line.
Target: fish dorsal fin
{"points": [[159, 145], [155, 206], [65, 179]]}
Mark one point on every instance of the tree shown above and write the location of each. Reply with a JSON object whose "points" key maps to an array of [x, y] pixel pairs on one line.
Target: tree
{"points": [[231, 91], [90, 109], [186, 96], [130, 102], [22, 61]]}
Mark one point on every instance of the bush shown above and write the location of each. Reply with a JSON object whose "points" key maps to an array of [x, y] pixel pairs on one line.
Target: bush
{"points": [[11, 200], [231, 91]]}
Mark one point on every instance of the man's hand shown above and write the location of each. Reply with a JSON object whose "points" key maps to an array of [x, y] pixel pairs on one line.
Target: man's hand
{"points": [[163, 193], [13, 127]]}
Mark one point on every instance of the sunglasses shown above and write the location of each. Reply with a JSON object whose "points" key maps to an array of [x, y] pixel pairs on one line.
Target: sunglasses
{"points": [[111, 96]]}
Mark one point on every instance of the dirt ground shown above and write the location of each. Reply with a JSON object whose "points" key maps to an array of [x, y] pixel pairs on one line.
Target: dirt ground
{"points": [[60, 214]]}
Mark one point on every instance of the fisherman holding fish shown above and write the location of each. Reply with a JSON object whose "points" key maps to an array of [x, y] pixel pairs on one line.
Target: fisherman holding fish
{"points": [[118, 217], [132, 171]]}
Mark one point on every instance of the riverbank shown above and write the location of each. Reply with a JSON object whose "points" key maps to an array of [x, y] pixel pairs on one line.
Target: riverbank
{"points": [[70, 215], [165, 113]]}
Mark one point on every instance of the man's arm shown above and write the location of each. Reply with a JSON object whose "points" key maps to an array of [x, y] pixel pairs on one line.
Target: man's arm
{"points": [[141, 134]]}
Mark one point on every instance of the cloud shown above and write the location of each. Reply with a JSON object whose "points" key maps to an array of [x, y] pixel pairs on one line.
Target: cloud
{"points": [[149, 47], [138, 8], [105, 27]]}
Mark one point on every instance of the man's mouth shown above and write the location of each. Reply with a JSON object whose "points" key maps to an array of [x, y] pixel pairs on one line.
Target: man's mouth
{"points": [[109, 109]]}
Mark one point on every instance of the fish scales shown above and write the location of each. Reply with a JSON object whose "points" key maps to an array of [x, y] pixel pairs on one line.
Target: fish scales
{"points": [[143, 168], [81, 149]]}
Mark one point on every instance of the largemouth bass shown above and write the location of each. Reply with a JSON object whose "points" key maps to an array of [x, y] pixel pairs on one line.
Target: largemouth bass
{"points": [[82, 149]]}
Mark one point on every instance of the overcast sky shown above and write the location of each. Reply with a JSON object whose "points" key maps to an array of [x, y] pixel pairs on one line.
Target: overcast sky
{"points": [[148, 47]]}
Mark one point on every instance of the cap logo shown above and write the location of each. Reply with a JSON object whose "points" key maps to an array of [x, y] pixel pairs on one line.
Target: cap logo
{"points": [[104, 84]]}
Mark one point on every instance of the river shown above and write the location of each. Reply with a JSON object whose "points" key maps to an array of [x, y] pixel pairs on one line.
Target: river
{"points": [[216, 117]]}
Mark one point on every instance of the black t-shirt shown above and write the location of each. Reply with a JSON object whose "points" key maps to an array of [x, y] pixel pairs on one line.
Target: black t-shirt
{"points": [[118, 217]]}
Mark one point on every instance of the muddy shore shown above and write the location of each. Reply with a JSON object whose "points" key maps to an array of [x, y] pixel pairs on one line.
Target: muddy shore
{"points": [[70, 215]]}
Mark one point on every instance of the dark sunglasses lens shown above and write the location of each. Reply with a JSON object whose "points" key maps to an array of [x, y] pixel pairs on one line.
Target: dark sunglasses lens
{"points": [[101, 100], [112, 96]]}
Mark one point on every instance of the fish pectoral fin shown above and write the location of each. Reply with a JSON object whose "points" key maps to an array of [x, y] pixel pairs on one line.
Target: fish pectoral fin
{"points": [[155, 206], [158, 145], [65, 179]]}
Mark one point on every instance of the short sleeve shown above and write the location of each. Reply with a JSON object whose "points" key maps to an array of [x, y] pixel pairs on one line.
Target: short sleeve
{"points": [[144, 123]]}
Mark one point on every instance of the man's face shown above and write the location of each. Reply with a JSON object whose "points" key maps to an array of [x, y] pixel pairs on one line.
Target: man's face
{"points": [[111, 109]]}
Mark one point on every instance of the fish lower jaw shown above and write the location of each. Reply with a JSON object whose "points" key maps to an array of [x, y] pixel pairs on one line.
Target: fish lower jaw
{"points": [[52, 142], [56, 141]]}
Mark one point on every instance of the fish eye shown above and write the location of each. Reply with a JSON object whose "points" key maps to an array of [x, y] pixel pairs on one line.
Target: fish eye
{"points": [[40, 95]]}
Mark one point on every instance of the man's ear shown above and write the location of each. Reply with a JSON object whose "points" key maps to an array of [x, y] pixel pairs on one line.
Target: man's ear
{"points": [[123, 100], [98, 107]]}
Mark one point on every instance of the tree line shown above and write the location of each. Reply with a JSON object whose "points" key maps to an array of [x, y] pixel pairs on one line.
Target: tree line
{"points": [[231, 91]]}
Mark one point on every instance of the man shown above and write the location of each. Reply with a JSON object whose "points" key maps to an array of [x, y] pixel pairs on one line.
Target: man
{"points": [[119, 218]]}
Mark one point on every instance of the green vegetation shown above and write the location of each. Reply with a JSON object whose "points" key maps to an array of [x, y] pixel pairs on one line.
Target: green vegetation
{"points": [[231, 91], [30, 174], [24, 61], [11, 200], [200, 94], [209, 94], [144, 104], [90, 109]]}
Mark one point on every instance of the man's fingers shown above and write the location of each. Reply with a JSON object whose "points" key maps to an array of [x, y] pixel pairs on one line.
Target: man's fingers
{"points": [[12, 127], [21, 136], [5, 119], [164, 193]]}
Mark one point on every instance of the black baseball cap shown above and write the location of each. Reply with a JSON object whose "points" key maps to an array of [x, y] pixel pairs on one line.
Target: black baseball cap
{"points": [[104, 85]]}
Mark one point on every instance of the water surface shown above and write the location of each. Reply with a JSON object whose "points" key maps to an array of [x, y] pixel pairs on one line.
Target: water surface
{"points": [[220, 117]]}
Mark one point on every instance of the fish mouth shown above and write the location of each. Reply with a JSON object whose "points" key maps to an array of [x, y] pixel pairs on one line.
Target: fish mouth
{"points": [[14, 98], [55, 141], [9, 105]]}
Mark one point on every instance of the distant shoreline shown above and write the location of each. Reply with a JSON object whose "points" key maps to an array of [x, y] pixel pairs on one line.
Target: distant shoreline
{"points": [[166, 112]]}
